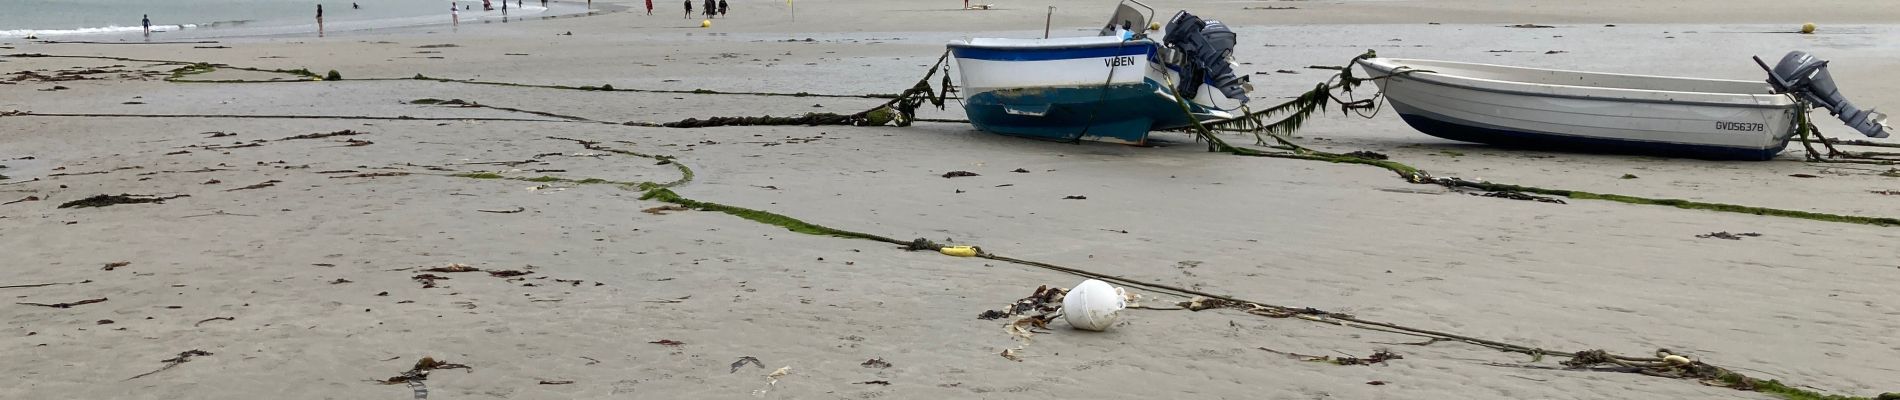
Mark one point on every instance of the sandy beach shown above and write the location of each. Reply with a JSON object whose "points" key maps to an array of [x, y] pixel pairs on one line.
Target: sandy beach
{"points": [[300, 218]]}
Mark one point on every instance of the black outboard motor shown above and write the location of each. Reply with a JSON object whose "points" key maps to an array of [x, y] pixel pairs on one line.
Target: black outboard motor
{"points": [[1805, 76], [1205, 46]]}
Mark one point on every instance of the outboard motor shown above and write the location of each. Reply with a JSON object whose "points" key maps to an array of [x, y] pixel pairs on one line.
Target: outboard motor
{"points": [[1801, 74], [1206, 46]]}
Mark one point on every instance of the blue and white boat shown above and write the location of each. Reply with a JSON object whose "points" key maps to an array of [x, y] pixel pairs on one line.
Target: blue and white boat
{"points": [[1114, 87]]}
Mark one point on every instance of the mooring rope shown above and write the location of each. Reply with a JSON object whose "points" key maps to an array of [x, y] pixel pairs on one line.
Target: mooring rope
{"points": [[1663, 363]]}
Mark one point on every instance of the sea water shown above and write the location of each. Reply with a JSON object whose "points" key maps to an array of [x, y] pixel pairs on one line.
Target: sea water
{"points": [[70, 19]]}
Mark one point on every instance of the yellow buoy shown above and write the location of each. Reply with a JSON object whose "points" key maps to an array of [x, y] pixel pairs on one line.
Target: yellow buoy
{"points": [[705, 23], [1154, 26], [959, 251], [1807, 28]]}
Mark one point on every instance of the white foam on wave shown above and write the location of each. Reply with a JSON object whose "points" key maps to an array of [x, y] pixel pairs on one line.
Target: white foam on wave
{"points": [[90, 31]]}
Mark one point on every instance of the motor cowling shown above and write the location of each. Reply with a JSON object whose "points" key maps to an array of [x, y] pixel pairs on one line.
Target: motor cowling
{"points": [[1803, 75], [1206, 46]]}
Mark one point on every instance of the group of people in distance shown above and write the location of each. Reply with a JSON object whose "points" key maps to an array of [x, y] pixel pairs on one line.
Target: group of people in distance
{"points": [[713, 9]]}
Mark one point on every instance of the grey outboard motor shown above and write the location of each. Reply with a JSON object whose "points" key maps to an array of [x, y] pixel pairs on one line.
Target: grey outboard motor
{"points": [[1801, 74], [1205, 45]]}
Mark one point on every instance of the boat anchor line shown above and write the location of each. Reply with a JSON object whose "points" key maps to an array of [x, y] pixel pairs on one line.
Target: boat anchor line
{"points": [[1113, 64], [1297, 110], [1834, 155], [188, 68]]}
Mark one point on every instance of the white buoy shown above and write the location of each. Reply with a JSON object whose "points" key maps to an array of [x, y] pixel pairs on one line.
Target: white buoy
{"points": [[1092, 305]]}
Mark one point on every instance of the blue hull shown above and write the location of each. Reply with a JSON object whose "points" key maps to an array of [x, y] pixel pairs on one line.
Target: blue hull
{"points": [[1464, 131], [1120, 113]]}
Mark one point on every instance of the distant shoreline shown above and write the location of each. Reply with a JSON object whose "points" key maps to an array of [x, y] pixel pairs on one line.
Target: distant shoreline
{"points": [[274, 28]]}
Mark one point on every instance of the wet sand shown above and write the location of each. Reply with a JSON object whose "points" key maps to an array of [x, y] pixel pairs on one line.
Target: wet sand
{"points": [[316, 270]]}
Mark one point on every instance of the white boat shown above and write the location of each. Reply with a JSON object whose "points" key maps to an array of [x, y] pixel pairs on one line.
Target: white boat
{"points": [[1114, 87], [1587, 111]]}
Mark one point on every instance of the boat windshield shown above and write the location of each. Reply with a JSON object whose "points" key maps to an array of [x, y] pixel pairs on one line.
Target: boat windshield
{"points": [[1127, 18]]}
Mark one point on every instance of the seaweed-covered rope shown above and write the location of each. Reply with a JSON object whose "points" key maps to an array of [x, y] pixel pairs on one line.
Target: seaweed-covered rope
{"points": [[900, 111]]}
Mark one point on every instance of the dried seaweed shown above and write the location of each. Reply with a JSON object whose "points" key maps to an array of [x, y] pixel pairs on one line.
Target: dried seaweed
{"points": [[236, 146], [453, 268], [261, 185], [662, 210], [1515, 195], [428, 280], [1377, 357], [1044, 300], [743, 360], [1729, 236], [508, 273], [44, 284], [1367, 155], [203, 321], [421, 372], [105, 200], [115, 265], [875, 363], [959, 174], [345, 132], [667, 342], [183, 357], [67, 305], [372, 175]]}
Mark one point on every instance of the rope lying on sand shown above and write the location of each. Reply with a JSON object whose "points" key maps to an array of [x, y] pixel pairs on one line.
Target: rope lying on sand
{"points": [[1834, 155], [1663, 363], [900, 110], [188, 68], [267, 116]]}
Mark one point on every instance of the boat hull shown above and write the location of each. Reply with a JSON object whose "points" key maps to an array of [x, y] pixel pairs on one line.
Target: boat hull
{"points": [[1123, 113], [1532, 108], [1097, 89]]}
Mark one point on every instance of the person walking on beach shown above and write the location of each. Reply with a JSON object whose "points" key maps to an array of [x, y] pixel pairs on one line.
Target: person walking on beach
{"points": [[689, 9], [147, 19], [319, 20], [455, 15], [712, 9], [504, 10], [722, 8], [649, 7]]}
